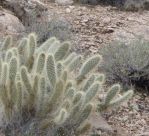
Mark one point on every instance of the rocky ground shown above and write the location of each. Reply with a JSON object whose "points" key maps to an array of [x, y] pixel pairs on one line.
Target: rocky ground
{"points": [[97, 26], [94, 27]]}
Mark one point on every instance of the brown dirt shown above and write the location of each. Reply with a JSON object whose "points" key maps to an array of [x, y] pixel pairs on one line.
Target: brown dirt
{"points": [[97, 26], [94, 27]]}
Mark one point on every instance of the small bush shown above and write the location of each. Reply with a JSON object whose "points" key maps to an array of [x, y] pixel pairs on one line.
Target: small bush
{"points": [[56, 27], [92, 2], [135, 5], [127, 63], [113, 2], [107, 2], [129, 5]]}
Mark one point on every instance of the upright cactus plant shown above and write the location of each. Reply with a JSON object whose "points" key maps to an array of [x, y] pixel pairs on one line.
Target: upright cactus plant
{"points": [[49, 84]]}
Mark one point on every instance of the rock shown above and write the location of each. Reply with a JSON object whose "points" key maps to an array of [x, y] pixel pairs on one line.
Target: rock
{"points": [[25, 10], [64, 2], [68, 10], [71, 7], [10, 24], [106, 20], [107, 30]]}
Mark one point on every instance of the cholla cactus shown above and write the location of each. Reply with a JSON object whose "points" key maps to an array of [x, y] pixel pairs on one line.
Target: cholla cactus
{"points": [[111, 100], [48, 84]]}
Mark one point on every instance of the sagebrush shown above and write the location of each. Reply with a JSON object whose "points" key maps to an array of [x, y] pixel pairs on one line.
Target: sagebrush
{"points": [[54, 27], [127, 64], [129, 5], [48, 90]]}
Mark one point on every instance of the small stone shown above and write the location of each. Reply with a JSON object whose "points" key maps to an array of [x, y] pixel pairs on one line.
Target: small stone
{"points": [[68, 10], [85, 20], [71, 7], [64, 2], [107, 20]]}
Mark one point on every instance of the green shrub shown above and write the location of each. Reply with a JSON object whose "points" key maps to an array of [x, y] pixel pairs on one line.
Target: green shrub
{"points": [[127, 63], [48, 90]]}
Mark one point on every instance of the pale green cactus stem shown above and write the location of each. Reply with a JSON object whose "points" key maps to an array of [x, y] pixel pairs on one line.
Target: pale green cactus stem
{"points": [[69, 59], [41, 97], [115, 89], [45, 46], [67, 105], [65, 76], [11, 90], [19, 101], [15, 51], [88, 66], [32, 44], [26, 80], [100, 78], [22, 47], [55, 98], [77, 97], [68, 85], [62, 51], [51, 70], [3, 95], [1, 62], [84, 114], [34, 90], [7, 43], [74, 112], [4, 74], [39, 66], [59, 69], [35, 83], [91, 92], [8, 56], [13, 66], [18, 76], [53, 47], [61, 117], [8, 90], [111, 101], [22, 50], [31, 87], [75, 63], [124, 98], [89, 82], [70, 93]]}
